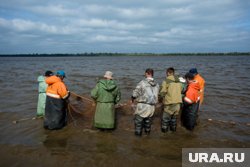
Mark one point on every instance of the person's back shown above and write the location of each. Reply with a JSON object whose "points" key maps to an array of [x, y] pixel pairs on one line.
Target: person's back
{"points": [[106, 94], [56, 88], [146, 96], [56, 104], [173, 90], [147, 91], [172, 99], [42, 93]]}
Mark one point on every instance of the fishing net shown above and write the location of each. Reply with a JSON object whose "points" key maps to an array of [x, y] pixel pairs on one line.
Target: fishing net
{"points": [[81, 110]]}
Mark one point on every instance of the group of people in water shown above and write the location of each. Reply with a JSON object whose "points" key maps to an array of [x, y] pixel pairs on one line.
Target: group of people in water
{"points": [[175, 93]]}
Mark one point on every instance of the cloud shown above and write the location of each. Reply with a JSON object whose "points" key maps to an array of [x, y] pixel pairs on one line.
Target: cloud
{"points": [[54, 10], [173, 32], [109, 24], [136, 13], [195, 25], [27, 25], [128, 39]]}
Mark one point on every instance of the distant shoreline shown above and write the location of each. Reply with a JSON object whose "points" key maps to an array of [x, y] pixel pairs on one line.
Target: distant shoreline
{"points": [[125, 54]]}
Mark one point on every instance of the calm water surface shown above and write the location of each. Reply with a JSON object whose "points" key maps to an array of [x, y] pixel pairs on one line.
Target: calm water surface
{"points": [[26, 143]]}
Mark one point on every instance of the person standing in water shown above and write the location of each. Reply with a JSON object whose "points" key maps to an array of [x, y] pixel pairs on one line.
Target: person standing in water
{"points": [[146, 96], [171, 93], [56, 102], [106, 94], [190, 102], [42, 93], [201, 82]]}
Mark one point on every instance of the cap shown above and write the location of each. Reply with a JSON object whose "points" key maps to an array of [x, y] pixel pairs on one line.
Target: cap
{"points": [[61, 73], [48, 73], [193, 71]]}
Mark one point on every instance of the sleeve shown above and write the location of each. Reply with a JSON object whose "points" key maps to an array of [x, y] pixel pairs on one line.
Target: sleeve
{"points": [[164, 89], [138, 90], [118, 96], [94, 92], [158, 97], [189, 97], [202, 85], [42, 87]]}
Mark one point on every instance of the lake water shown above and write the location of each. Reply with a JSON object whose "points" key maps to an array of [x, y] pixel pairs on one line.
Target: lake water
{"points": [[224, 119]]}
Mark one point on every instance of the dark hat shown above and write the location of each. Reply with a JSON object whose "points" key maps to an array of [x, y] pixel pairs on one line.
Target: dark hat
{"points": [[189, 76], [48, 73], [193, 71]]}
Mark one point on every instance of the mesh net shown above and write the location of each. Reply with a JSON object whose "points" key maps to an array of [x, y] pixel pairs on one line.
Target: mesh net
{"points": [[81, 110]]}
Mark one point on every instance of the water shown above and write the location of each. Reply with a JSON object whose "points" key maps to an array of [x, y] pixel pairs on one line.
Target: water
{"points": [[26, 143]]}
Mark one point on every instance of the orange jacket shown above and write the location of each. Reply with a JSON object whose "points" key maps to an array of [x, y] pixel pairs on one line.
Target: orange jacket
{"points": [[56, 88], [192, 93], [201, 82]]}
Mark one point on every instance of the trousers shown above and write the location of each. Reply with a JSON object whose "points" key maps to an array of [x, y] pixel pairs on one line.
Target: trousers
{"points": [[142, 123]]}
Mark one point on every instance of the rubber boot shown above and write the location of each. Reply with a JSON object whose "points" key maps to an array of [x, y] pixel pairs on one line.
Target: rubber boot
{"points": [[165, 122], [191, 117], [173, 123], [147, 125], [138, 125]]}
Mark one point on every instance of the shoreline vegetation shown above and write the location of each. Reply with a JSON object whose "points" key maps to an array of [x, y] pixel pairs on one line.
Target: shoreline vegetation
{"points": [[124, 54]]}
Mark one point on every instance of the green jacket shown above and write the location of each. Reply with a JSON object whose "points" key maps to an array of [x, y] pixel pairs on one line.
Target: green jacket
{"points": [[106, 94], [171, 90], [106, 91]]}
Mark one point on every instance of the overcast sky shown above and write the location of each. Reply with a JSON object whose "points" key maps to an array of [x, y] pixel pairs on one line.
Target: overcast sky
{"points": [[148, 26]]}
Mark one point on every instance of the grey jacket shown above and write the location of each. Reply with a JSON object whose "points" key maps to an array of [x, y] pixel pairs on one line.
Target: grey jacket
{"points": [[146, 91]]}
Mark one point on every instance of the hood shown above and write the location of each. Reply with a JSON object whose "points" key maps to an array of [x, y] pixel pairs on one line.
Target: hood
{"points": [[108, 85], [41, 78], [151, 81], [53, 79], [173, 78], [195, 85]]}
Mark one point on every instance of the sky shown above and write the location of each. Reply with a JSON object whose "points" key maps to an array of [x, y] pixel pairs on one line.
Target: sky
{"points": [[124, 26]]}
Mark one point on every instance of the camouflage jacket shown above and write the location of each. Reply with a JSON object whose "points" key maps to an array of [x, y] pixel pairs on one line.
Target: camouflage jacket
{"points": [[146, 91]]}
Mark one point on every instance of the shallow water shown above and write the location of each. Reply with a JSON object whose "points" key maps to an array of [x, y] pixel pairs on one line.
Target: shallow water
{"points": [[26, 143]]}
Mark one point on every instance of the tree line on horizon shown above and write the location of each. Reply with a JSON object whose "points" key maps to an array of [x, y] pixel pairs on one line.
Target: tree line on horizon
{"points": [[122, 54]]}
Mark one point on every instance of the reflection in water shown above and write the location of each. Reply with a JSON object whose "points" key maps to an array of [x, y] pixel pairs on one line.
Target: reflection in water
{"points": [[52, 142], [56, 142], [104, 146]]}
